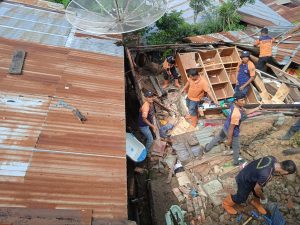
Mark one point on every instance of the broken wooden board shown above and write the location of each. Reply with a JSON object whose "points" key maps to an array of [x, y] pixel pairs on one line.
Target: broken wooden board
{"points": [[281, 94], [156, 86], [17, 63], [158, 148], [183, 178], [264, 94], [205, 159], [181, 127]]}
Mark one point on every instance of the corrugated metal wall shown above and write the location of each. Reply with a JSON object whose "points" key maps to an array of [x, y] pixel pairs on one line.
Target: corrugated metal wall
{"points": [[48, 158]]}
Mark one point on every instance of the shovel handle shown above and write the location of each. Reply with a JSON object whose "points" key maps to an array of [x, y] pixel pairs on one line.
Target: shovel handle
{"points": [[248, 220]]}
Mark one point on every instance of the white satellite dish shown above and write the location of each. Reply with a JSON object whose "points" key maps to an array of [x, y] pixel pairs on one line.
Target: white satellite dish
{"points": [[114, 16]]}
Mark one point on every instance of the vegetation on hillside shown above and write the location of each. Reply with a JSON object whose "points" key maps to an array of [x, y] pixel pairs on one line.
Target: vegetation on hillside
{"points": [[172, 28]]}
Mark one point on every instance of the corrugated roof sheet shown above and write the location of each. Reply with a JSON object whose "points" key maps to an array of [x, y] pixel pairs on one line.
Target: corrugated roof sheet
{"points": [[291, 14], [48, 158], [283, 51], [230, 37], [42, 25], [261, 15]]}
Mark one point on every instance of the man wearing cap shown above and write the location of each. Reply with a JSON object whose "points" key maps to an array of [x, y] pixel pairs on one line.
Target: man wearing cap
{"points": [[146, 119], [265, 43], [196, 87], [245, 73], [253, 178], [169, 71], [231, 129]]}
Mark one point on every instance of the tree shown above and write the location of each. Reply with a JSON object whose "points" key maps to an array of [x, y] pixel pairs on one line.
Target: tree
{"points": [[240, 3], [229, 16], [198, 6], [224, 18], [171, 28]]}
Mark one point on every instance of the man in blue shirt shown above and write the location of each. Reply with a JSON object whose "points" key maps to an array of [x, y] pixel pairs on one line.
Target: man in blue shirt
{"points": [[231, 129], [253, 178]]}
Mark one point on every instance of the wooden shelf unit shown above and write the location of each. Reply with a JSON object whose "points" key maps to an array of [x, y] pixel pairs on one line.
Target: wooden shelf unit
{"points": [[229, 55], [231, 69], [223, 90], [211, 59], [186, 61]]}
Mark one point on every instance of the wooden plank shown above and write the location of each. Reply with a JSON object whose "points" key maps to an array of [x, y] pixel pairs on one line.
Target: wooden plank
{"points": [[17, 63], [156, 86], [281, 93]]}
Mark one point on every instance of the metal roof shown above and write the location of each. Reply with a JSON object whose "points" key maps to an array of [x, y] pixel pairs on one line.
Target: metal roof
{"points": [[48, 158], [261, 15], [287, 48], [42, 25], [290, 12]]}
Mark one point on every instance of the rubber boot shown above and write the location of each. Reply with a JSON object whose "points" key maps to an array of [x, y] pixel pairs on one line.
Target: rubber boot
{"points": [[256, 203], [228, 205], [166, 84], [177, 83]]}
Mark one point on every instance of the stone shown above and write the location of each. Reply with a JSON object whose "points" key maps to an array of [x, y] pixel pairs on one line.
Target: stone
{"points": [[290, 203], [285, 191], [297, 188], [291, 177], [280, 121], [296, 199], [283, 197], [291, 190], [222, 218], [214, 216]]}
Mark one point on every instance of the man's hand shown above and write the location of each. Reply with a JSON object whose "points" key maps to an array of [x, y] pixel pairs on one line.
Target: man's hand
{"points": [[229, 142], [242, 87], [153, 128]]}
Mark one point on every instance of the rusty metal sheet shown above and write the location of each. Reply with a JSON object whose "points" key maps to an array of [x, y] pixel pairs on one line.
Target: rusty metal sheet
{"points": [[48, 158], [19, 216]]}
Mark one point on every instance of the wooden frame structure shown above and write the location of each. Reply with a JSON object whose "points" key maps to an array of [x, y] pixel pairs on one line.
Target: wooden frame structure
{"points": [[218, 67]]}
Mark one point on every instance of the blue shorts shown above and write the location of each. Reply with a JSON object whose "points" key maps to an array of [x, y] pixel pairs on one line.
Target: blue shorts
{"points": [[192, 106]]}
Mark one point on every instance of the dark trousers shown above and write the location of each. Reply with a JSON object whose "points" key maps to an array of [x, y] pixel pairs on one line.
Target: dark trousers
{"points": [[243, 192], [173, 72], [262, 61], [294, 128], [221, 136]]}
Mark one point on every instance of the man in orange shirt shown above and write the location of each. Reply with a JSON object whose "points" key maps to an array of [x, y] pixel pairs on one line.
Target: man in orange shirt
{"points": [[146, 119], [196, 87], [245, 74], [265, 43], [169, 71]]}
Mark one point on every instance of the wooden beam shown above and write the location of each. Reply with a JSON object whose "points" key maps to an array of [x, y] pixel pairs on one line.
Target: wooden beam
{"points": [[17, 63], [156, 86]]}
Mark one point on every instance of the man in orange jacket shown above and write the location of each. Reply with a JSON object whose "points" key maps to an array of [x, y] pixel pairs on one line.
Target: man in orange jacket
{"points": [[265, 43]]}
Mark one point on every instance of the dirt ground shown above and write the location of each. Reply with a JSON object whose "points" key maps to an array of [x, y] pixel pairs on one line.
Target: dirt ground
{"points": [[163, 196], [259, 137]]}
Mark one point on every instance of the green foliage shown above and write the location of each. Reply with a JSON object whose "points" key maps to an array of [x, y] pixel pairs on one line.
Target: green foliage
{"points": [[296, 139], [224, 18], [198, 6], [240, 3], [171, 29], [64, 2], [229, 17], [167, 53]]}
